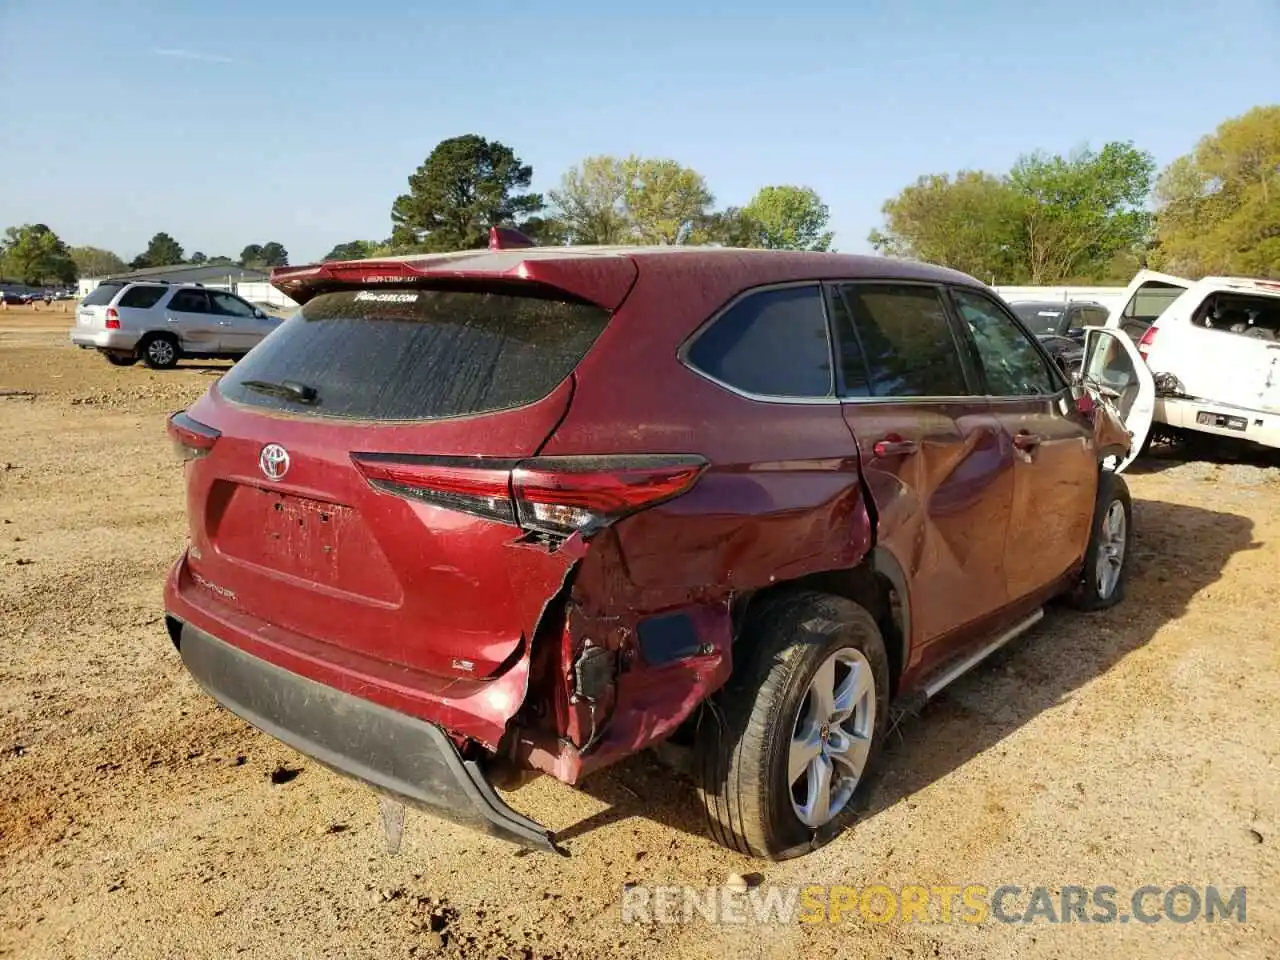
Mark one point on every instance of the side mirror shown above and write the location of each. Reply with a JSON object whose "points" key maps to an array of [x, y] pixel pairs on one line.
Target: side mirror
{"points": [[259, 314]]}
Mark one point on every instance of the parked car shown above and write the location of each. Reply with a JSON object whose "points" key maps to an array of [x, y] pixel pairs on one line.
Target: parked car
{"points": [[161, 323], [1068, 319], [1213, 346], [12, 297], [469, 516]]}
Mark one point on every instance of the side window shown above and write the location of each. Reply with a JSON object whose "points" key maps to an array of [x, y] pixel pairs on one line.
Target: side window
{"points": [[772, 342], [232, 306], [1012, 365], [141, 297], [903, 339], [189, 301], [1092, 317]]}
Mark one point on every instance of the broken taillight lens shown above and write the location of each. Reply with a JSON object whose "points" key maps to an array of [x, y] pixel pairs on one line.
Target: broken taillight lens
{"points": [[191, 438], [551, 495]]}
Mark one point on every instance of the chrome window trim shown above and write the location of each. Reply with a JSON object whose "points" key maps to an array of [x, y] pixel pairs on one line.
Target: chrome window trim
{"points": [[682, 354]]}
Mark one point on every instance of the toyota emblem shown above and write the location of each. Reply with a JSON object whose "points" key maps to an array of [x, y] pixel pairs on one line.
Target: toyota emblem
{"points": [[274, 461]]}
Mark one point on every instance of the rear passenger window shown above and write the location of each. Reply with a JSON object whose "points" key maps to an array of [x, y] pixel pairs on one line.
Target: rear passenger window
{"points": [[771, 343], [141, 297], [902, 340]]}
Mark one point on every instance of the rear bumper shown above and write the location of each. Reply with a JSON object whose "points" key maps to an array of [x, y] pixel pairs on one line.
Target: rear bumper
{"points": [[105, 339], [396, 754], [1259, 427]]}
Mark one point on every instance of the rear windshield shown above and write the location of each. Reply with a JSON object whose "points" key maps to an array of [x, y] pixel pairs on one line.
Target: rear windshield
{"points": [[101, 294], [404, 354]]}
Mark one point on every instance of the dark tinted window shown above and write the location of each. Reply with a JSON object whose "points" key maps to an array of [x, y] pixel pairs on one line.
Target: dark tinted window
{"points": [[141, 297], [855, 381], [1011, 363], [773, 343], [418, 354], [906, 339], [189, 301], [101, 294]]}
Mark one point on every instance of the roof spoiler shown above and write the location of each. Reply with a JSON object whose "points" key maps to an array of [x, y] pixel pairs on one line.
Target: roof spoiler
{"points": [[602, 280]]}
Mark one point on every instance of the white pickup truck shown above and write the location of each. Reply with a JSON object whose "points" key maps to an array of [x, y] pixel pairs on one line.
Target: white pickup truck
{"points": [[1212, 352]]}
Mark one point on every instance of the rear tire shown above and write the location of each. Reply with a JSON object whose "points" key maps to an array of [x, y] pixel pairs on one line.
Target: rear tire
{"points": [[1106, 560], [160, 352], [772, 720], [121, 359]]}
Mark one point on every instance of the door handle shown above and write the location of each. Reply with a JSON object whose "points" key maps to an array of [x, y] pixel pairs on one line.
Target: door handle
{"points": [[1027, 441], [894, 446]]}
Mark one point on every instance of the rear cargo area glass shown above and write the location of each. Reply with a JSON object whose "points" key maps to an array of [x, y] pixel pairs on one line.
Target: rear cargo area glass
{"points": [[413, 354]]}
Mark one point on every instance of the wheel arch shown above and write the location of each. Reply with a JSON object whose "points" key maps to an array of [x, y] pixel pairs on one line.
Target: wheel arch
{"points": [[877, 584]]}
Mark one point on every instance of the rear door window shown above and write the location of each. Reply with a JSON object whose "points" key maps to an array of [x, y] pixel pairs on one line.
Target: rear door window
{"points": [[770, 343], [905, 341], [414, 354], [141, 297]]}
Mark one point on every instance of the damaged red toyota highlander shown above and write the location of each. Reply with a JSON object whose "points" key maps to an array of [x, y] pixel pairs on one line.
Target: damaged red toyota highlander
{"points": [[540, 509]]}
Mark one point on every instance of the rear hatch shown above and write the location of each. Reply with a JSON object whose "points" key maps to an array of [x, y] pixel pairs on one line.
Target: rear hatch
{"points": [[353, 471], [91, 314]]}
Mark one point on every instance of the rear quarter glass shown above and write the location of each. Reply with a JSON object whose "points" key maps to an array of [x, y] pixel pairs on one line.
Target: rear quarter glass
{"points": [[416, 354], [102, 294]]}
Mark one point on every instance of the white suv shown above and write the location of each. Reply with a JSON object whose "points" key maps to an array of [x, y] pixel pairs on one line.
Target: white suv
{"points": [[1213, 347], [160, 323]]}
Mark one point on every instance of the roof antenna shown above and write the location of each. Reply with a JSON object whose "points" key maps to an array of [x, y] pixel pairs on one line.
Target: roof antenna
{"points": [[508, 238]]}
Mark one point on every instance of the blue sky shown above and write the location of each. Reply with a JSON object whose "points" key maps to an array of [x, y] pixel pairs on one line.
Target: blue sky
{"points": [[236, 122]]}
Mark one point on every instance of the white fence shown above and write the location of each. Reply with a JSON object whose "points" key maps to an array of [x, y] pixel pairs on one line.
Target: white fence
{"points": [[260, 291], [1109, 297]]}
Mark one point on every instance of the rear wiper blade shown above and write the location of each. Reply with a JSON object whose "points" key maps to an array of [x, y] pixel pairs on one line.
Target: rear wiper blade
{"points": [[286, 389]]}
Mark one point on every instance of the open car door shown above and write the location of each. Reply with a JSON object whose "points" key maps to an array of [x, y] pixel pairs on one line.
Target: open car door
{"points": [[1113, 367], [1148, 295]]}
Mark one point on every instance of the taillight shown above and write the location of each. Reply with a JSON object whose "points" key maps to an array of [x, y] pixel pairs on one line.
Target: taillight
{"points": [[551, 495], [113, 319], [1148, 338], [191, 438]]}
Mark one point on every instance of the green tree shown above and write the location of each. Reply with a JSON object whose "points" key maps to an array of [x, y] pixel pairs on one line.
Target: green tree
{"points": [[162, 251], [665, 202], [788, 218], [251, 255], [96, 262], [35, 255], [546, 231], [467, 185], [1081, 210], [1218, 207], [637, 200], [591, 202], [971, 223], [198, 258], [218, 260], [351, 250]]}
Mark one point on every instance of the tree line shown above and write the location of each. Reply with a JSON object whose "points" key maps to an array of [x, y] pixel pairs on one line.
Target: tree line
{"points": [[1087, 216], [33, 254], [1100, 216], [468, 184]]}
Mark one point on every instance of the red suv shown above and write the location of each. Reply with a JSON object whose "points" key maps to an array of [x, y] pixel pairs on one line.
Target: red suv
{"points": [[540, 509]]}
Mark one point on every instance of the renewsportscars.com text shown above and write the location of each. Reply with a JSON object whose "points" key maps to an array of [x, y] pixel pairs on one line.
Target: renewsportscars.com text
{"points": [[915, 903]]}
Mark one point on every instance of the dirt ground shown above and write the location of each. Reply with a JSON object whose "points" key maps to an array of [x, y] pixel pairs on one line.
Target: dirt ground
{"points": [[138, 819]]}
